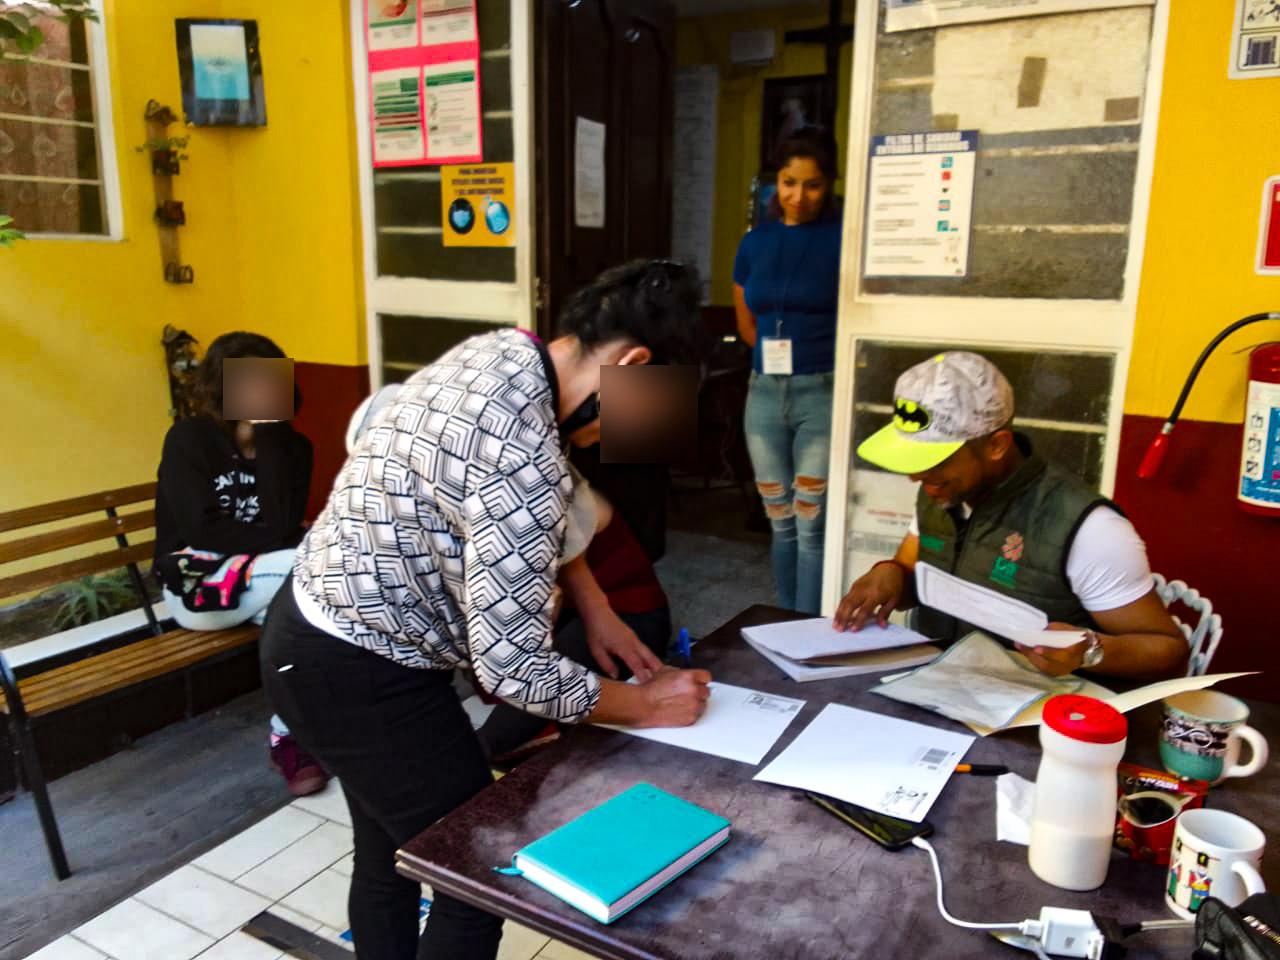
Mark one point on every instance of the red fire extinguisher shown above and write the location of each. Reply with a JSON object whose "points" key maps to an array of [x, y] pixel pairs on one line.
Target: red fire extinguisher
{"points": [[1258, 483]]}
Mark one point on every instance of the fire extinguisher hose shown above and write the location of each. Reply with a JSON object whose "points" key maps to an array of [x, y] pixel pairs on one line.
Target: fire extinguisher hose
{"points": [[1155, 454]]}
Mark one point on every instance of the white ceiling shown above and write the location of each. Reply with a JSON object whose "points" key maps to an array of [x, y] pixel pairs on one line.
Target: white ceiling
{"points": [[698, 8]]}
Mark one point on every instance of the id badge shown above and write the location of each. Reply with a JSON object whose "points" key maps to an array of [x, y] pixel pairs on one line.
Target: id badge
{"points": [[775, 355]]}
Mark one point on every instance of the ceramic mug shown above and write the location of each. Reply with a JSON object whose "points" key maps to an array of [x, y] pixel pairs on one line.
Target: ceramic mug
{"points": [[1215, 854], [1201, 737]]}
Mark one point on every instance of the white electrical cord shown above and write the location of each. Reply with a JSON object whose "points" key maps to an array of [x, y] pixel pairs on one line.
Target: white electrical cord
{"points": [[927, 847]]}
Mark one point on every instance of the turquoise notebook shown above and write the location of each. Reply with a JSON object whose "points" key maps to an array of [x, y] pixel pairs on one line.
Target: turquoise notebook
{"points": [[622, 852]]}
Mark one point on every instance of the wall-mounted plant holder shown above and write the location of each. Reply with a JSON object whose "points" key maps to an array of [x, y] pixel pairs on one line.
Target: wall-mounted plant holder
{"points": [[179, 273], [171, 214], [165, 163], [166, 154]]}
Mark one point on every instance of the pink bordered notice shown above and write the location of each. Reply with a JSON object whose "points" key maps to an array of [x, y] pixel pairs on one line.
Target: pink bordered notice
{"points": [[424, 82]]}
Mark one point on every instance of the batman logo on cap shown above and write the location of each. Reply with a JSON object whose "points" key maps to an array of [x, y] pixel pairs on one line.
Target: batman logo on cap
{"points": [[909, 416]]}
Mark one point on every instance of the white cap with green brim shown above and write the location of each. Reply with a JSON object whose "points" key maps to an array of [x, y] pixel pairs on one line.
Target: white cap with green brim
{"points": [[938, 405]]}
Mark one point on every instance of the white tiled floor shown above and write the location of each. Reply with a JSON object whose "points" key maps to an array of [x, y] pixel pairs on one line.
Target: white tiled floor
{"points": [[296, 863]]}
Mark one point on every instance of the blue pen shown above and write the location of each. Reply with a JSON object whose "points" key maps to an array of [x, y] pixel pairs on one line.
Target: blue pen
{"points": [[682, 647]]}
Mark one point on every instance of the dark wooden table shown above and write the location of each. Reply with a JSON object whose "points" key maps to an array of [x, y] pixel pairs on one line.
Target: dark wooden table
{"points": [[792, 882]]}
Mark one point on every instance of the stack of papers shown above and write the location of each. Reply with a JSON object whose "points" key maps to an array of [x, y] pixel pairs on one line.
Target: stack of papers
{"points": [[977, 682], [815, 650], [989, 688], [989, 610], [892, 766]]}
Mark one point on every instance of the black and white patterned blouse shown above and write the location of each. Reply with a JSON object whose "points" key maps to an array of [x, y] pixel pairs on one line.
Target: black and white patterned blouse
{"points": [[438, 546]]}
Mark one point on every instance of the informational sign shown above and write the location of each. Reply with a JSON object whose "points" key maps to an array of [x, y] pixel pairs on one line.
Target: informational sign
{"points": [[424, 82], [1255, 40], [588, 173], [1260, 457], [1269, 228], [884, 505], [918, 14], [396, 110], [694, 182], [920, 203], [478, 205], [391, 24], [448, 21], [453, 110]]}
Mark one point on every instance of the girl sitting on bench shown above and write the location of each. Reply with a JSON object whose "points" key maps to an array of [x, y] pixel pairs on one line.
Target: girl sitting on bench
{"points": [[229, 510]]}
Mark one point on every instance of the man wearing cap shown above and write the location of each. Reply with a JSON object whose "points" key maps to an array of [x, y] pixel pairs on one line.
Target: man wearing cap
{"points": [[992, 512]]}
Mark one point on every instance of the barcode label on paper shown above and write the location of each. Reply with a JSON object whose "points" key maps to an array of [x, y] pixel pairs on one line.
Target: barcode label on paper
{"points": [[774, 704], [933, 758]]}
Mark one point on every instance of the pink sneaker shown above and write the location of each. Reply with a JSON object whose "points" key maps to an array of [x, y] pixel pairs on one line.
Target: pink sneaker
{"points": [[300, 770]]}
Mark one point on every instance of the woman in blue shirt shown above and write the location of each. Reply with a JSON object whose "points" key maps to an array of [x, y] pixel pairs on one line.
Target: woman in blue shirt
{"points": [[786, 290]]}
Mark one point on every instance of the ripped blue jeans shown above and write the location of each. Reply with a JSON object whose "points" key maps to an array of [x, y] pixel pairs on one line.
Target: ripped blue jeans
{"points": [[788, 428]]}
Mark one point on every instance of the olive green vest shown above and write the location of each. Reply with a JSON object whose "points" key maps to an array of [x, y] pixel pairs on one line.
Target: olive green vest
{"points": [[1016, 543]]}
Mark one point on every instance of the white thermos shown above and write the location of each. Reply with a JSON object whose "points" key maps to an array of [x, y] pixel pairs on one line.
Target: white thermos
{"points": [[1074, 818]]}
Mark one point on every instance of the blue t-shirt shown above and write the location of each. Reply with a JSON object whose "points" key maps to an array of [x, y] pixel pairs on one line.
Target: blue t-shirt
{"points": [[792, 275]]}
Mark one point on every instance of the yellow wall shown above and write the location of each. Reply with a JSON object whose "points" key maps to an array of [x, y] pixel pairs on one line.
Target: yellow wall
{"points": [[273, 235], [1216, 144], [703, 40]]}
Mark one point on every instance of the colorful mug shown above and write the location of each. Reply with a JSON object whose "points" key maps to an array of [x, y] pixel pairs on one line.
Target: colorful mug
{"points": [[1215, 854], [1201, 737]]}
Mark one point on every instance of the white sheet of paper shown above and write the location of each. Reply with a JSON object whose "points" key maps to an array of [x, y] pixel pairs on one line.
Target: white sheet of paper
{"points": [[992, 611], [739, 724], [893, 766], [1124, 702], [817, 637], [873, 662]]}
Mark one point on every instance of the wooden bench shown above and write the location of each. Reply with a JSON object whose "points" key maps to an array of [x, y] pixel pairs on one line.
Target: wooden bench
{"points": [[42, 693]]}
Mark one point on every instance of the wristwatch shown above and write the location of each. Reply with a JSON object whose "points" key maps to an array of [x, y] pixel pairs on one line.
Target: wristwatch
{"points": [[1093, 653]]}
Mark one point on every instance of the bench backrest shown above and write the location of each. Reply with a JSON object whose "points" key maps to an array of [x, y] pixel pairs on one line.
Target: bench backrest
{"points": [[115, 526]]}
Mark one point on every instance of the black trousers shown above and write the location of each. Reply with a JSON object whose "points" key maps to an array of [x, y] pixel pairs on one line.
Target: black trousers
{"points": [[402, 746], [508, 727]]}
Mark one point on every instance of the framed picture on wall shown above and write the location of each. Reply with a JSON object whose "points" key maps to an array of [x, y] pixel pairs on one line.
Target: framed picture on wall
{"points": [[790, 103], [220, 64]]}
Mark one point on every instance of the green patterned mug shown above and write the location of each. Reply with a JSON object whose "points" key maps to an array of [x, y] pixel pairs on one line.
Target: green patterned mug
{"points": [[1201, 737]]}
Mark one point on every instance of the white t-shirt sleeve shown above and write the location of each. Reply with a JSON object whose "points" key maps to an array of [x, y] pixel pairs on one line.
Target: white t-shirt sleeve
{"points": [[1108, 566]]}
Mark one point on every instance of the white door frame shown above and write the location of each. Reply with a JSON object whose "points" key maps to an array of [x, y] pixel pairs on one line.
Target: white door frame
{"points": [[511, 303], [1076, 325]]}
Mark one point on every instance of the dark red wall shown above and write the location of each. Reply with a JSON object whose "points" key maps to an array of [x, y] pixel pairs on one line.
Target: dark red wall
{"points": [[330, 393], [1196, 532]]}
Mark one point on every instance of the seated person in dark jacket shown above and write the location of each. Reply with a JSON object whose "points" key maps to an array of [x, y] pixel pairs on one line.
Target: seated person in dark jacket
{"points": [[229, 512], [992, 512]]}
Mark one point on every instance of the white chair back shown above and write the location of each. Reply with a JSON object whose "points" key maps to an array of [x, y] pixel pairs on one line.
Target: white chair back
{"points": [[1204, 637]]}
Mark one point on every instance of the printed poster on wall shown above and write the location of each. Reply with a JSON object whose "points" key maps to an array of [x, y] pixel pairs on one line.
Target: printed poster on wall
{"points": [[920, 204], [424, 82], [453, 110], [396, 110], [694, 167], [588, 173], [919, 14], [1255, 40], [448, 21], [478, 205], [392, 24]]}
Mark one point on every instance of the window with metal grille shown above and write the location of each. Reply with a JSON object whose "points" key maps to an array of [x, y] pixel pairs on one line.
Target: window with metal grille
{"points": [[53, 177]]}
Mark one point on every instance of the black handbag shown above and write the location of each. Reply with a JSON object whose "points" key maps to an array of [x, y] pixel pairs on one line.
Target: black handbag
{"points": [[1250, 931]]}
